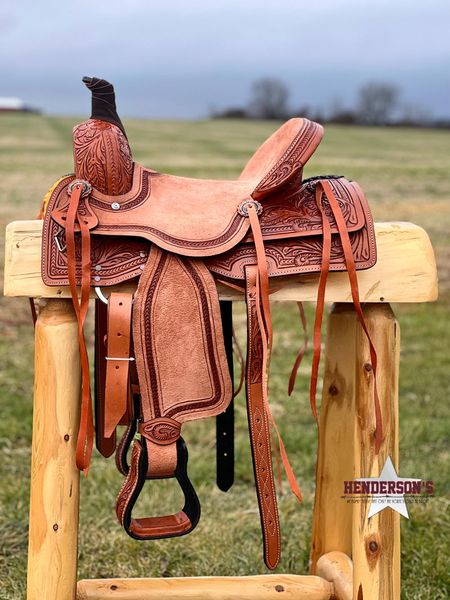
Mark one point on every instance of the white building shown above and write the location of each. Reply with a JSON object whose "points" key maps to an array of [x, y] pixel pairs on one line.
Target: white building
{"points": [[14, 105]]}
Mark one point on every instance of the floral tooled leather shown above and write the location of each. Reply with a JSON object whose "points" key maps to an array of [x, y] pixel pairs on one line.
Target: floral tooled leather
{"points": [[163, 431]]}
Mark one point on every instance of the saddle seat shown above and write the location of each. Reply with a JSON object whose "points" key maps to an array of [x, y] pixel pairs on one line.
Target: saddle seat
{"points": [[196, 217]]}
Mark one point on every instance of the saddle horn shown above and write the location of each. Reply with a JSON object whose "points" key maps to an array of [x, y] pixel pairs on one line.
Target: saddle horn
{"points": [[103, 101], [102, 155]]}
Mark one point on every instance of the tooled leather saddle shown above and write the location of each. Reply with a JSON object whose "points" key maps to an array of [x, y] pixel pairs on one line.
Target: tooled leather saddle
{"points": [[163, 356]]}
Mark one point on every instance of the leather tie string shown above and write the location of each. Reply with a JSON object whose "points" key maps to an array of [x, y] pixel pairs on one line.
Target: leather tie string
{"points": [[326, 256], [85, 439], [301, 353], [325, 186]]}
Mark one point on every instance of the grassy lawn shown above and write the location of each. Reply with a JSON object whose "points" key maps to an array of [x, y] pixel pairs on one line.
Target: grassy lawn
{"points": [[405, 174]]}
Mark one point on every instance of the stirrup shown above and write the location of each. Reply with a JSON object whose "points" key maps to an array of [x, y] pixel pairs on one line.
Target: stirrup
{"points": [[153, 528]]}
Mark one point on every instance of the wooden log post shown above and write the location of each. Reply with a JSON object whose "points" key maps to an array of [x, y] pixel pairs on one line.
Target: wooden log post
{"points": [[376, 541], [346, 449], [54, 498], [332, 517]]}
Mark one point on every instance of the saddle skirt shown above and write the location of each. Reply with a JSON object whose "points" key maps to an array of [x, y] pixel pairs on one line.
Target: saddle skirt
{"points": [[180, 221]]}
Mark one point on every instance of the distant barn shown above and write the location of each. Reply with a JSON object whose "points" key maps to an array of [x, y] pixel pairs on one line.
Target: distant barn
{"points": [[16, 105]]}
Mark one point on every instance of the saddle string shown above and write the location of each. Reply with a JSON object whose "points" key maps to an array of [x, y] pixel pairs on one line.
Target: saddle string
{"points": [[233, 286], [240, 356], [353, 280], [85, 439], [303, 348], [320, 305], [33, 311]]}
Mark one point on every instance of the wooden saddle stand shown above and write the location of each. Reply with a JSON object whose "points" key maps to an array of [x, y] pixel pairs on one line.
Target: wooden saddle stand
{"points": [[164, 340]]}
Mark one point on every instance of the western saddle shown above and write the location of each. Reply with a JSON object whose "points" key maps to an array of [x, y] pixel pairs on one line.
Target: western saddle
{"points": [[163, 356]]}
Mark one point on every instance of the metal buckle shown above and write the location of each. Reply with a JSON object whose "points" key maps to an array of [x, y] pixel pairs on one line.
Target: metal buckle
{"points": [[60, 247], [87, 187], [244, 206]]}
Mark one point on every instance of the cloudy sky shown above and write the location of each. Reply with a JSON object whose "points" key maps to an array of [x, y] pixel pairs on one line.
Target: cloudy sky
{"points": [[183, 58]]}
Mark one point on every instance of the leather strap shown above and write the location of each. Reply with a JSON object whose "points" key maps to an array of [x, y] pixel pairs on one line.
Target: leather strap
{"points": [[353, 279], [105, 446], [325, 267], [259, 422], [263, 271], [225, 420], [86, 430], [323, 186], [301, 352], [117, 385], [263, 312]]}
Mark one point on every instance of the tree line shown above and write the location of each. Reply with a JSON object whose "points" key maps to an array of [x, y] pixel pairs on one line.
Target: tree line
{"points": [[378, 103]]}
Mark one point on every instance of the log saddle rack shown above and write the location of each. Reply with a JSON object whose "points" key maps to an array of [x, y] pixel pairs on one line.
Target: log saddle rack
{"points": [[351, 556]]}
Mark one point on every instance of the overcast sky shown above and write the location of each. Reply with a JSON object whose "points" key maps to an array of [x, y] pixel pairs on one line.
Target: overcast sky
{"points": [[182, 58]]}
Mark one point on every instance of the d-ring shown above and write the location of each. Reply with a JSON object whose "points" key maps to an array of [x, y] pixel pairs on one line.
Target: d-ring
{"points": [[100, 295]]}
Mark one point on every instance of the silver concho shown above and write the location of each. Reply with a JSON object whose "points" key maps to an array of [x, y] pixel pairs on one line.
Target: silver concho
{"points": [[87, 187], [244, 206]]}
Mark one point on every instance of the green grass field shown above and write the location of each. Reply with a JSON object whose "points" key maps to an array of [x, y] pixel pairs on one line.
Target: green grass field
{"points": [[405, 174]]}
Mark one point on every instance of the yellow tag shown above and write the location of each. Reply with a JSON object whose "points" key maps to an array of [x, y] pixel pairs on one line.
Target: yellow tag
{"points": [[46, 198]]}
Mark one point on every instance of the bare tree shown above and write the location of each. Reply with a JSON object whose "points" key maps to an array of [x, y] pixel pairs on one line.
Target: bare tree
{"points": [[414, 115], [269, 99], [341, 114], [377, 103]]}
